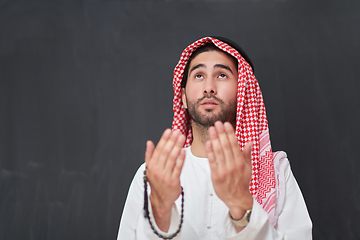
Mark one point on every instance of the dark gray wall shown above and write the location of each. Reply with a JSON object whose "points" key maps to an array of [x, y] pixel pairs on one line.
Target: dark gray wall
{"points": [[83, 85]]}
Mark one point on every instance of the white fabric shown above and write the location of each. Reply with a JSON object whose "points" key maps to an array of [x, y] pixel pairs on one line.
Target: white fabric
{"points": [[206, 216]]}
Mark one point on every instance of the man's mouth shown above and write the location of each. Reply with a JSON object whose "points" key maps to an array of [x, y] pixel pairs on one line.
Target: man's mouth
{"points": [[209, 102]]}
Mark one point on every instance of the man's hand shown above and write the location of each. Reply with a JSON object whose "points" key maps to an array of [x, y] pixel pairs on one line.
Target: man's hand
{"points": [[164, 164], [230, 169]]}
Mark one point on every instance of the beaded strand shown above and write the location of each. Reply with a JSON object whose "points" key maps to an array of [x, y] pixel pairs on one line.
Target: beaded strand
{"points": [[147, 214]]}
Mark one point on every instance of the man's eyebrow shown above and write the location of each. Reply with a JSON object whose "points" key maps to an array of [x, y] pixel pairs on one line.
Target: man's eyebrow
{"points": [[223, 66], [215, 66], [196, 66]]}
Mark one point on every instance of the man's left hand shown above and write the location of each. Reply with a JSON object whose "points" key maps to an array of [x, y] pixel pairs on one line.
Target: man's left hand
{"points": [[230, 168]]}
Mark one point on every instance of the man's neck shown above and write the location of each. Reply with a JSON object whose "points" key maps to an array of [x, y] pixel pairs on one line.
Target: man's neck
{"points": [[200, 137]]}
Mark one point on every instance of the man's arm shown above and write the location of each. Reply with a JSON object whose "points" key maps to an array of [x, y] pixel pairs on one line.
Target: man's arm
{"points": [[164, 164], [231, 174], [293, 222]]}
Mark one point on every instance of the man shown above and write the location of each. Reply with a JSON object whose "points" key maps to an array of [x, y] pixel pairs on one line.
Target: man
{"points": [[226, 183]]}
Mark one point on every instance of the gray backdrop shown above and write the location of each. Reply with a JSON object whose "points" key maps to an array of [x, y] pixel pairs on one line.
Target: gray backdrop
{"points": [[84, 84]]}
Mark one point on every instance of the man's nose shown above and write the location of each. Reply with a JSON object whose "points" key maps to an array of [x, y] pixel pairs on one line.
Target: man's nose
{"points": [[210, 86]]}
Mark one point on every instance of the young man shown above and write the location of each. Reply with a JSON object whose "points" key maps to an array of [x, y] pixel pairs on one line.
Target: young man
{"points": [[226, 183]]}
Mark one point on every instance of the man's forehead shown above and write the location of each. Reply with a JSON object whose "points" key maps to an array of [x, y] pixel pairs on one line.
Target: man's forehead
{"points": [[212, 59]]}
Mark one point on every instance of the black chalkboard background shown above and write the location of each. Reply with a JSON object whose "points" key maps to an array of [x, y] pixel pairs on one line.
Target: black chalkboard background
{"points": [[83, 85]]}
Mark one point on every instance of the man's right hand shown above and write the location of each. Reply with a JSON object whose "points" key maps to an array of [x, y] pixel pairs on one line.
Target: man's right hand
{"points": [[164, 164]]}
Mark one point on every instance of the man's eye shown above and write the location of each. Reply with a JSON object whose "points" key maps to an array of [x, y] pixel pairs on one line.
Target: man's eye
{"points": [[198, 76], [222, 76]]}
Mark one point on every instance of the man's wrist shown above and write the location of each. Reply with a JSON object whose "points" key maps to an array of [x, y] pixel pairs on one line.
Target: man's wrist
{"points": [[161, 214], [244, 221], [238, 210], [159, 207]]}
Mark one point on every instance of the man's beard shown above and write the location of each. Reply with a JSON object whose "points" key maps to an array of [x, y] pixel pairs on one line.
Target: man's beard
{"points": [[227, 113]]}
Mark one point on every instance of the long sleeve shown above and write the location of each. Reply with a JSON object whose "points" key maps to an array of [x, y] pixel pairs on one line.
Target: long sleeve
{"points": [[133, 225], [133, 209], [293, 223]]}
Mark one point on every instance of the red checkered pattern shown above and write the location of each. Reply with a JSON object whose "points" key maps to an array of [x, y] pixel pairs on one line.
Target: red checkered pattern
{"points": [[251, 123]]}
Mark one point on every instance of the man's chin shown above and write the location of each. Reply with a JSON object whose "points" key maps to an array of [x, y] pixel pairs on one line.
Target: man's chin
{"points": [[207, 117], [206, 121], [204, 124]]}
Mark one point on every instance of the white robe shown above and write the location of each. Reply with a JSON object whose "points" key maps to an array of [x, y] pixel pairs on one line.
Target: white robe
{"points": [[206, 216]]}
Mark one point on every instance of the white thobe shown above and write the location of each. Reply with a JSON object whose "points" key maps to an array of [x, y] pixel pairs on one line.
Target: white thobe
{"points": [[207, 217]]}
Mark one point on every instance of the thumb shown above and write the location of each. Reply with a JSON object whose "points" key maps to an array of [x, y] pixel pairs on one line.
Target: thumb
{"points": [[247, 152], [149, 151]]}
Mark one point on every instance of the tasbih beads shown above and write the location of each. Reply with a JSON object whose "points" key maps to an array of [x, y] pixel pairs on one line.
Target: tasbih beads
{"points": [[147, 214]]}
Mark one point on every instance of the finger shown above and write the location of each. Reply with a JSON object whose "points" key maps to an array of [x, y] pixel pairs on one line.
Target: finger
{"points": [[174, 154], [211, 157], [149, 152], [157, 156], [247, 152], [164, 138], [216, 146], [178, 165], [233, 140], [224, 141], [167, 148]]}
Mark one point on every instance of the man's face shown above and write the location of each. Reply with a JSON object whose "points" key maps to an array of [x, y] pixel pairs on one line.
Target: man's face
{"points": [[211, 88]]}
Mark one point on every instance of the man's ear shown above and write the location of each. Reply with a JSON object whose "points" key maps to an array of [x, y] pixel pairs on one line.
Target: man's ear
{"points": [[183, 97]]}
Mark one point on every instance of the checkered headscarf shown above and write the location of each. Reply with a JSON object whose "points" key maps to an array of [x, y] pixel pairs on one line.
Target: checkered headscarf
{"points": [[251, 123]]}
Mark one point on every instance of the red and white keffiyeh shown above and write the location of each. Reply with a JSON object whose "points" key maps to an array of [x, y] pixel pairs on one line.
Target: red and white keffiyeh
{"points": [[251, 125]]}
